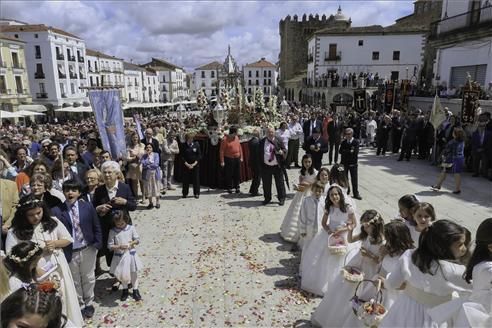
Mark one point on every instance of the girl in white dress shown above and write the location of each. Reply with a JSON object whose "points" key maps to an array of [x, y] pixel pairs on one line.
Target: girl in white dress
{"points": [[475, 311], [307, 176], [338, 177], [428, 276], [32, 221], [125, 264], [318, 266], [423, 215], [312, 210], [405, 205], [367, 260], [324, 178], [21, 264]]}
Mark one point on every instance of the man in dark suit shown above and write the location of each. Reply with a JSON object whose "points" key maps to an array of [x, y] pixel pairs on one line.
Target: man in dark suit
{"points": [[334, 137], [76, 166], [80, 219], [396, 131], [310, 125], [191, 153], [480, 139], [272, 154], [113, 195], [349, 151], [316, 146], [255, 162], [149, 139]]}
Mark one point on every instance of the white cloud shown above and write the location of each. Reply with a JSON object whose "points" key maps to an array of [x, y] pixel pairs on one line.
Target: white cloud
{"points": [[190, 34]]}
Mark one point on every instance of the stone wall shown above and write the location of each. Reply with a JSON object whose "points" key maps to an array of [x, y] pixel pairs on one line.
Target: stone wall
{"points": [[453, 104]]}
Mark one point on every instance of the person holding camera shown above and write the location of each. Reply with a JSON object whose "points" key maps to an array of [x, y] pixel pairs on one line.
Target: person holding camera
{"points": [[272, 153], [316, 146]]}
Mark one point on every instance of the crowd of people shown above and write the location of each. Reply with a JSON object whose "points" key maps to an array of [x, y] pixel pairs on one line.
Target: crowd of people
{"points": [[66, 203]]}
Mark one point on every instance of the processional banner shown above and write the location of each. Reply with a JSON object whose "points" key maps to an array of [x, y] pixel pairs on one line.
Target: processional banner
{"points": [[109, 119]]}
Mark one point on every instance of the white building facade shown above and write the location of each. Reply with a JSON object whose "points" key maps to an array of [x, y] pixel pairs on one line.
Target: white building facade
{"points": [[172, 80], [56, 64], [104, 70], [150, 86], [205, 77], [392, 55], [132, 84], [260, 75], [463, 38]]}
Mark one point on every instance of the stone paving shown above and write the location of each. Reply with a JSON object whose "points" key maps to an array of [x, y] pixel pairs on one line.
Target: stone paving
{"points": [[218, 261]]}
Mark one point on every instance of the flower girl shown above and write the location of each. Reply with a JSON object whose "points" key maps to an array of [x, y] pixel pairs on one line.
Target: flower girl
{"points": [[125, 264], [318, 266], [405, 205], [288, 229], [334, 314]]}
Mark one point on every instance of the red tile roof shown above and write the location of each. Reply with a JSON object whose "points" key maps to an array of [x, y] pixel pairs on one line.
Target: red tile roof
{"points": [[210, 66], [35, 28], [261, 63], [95, 53]]}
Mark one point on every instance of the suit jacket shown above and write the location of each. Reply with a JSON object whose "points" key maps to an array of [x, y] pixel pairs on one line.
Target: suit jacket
{"points": [[89, 224], [349, 152], [335, 131], [476, 142], [155, 144], [306, 127], [191, 153], [316, 155], [81, 169], [279, 145], [254, 154]]}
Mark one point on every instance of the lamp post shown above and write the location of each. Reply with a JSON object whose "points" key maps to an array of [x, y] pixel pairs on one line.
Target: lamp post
{"points": [[219, 114], [181, 110], [407, 72]]}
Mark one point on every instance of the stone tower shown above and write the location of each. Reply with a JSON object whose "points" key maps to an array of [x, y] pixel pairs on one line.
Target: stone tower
{"points": [[294, 35]]}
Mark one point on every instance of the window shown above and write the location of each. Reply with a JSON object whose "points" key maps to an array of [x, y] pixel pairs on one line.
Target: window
{"points": [[249, 74], [249, 82], [332, 52], [269, 73], [203, 74], [62, 90], [15, 60], [16, 36], [72, 88], [90, 80], [257, 82], [36, 36], [396, 55], [18, 84], [249, 89], [394, 75], [375, 55], [257, 74], [41, 88], [265, 90], [269, 81], [264, 73], [264, 82], [39, 68], [3, 86], [37, 50], [212, 74], [361, 43]]}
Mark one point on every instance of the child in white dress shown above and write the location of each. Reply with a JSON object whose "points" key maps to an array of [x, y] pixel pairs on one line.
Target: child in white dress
{"points": [[312, 210], [318, 266], [475, 311], [423, 215], [324, 178], [288, 229], [125, 264], [405, 205], [367, 261], [428, 276], [21, 264]]}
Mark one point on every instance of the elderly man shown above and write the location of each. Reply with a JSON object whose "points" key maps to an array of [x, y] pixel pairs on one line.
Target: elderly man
{"points": [[272, 154], [149, 139], [113, 195], [76, 166]]}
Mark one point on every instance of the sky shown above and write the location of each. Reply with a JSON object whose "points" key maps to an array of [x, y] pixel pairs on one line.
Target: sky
{"points": [[190, 33]]}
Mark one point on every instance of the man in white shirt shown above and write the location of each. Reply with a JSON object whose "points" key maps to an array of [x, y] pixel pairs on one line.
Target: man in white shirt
{"points": [[296, 132]]}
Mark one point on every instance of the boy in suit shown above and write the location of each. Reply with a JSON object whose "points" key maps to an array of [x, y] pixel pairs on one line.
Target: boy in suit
{"points": [[349, 150], [80, 219]]}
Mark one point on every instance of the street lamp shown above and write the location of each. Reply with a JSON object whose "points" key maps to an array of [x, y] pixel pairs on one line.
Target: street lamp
{"points": [[219, 114], [284, 106]]}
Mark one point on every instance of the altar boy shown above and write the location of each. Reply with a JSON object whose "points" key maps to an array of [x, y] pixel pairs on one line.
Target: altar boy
{"points": [[81, 220]]}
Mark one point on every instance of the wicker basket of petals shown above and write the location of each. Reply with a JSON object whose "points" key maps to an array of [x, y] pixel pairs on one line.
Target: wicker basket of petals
{"points": [[337, 244], [352, 273], [369, 312]]}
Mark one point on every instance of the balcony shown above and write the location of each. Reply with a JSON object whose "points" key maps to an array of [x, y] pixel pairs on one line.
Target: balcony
{"points": [[81, 76], [5, 92], [62, 76], [38, 56], [39, 75], [106, 69], [71, 58], [17, 65], [60, 57], [470, 20], [72, 75], [81, 59], [22, 91], [42, 95], [333, 57]]}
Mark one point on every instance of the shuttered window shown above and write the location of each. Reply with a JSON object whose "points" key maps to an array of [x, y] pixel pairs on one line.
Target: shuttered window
{"points": [[459, 75]]}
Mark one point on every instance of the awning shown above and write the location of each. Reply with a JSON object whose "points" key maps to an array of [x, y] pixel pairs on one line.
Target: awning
{"points": [[29, 113], [33, 108], [5, 114], [146, 105], [80, 109]]}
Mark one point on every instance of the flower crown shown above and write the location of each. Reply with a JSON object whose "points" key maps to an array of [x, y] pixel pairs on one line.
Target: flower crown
{"points": [[26, 258], [45, 287], [340, 168], [30, 202]]}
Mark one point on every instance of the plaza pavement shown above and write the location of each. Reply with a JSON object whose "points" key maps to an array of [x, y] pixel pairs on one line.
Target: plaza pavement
{"points": [[218, 261]]}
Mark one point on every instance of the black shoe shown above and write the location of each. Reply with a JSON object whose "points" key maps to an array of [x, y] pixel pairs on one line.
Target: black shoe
{"points": [[475, 175], [457, 192], [136, 295], [238, 190], [266, 202], [115, 286], [124, 295], [197, 196], [281, 202], [157, 206], [184, 196], [88, 312], [150, 206], [357, 197], [400, 159], [408, 159], [254, 194], [229, 191]]}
